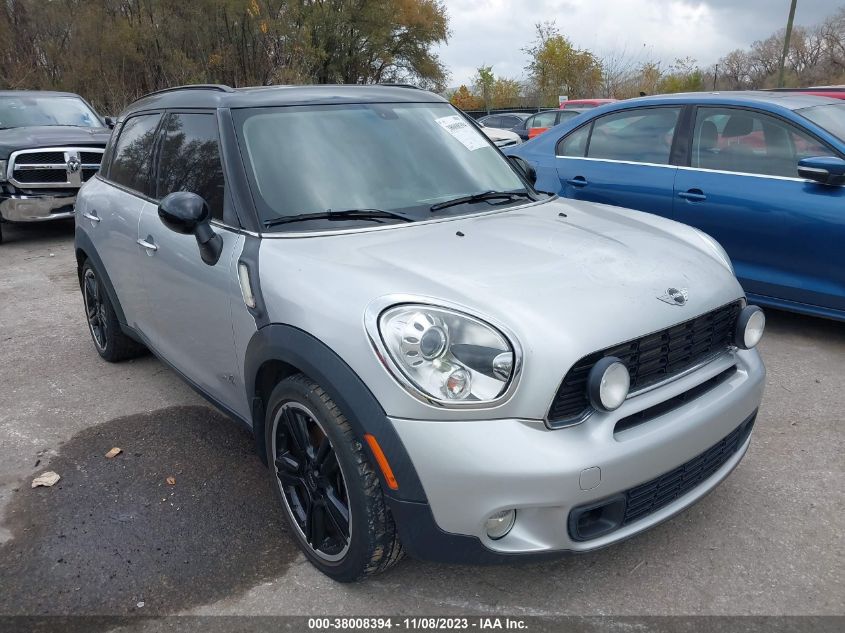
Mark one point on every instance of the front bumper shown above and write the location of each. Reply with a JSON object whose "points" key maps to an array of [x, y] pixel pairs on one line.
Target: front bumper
{"points": [[472, 469], [20, 208]]}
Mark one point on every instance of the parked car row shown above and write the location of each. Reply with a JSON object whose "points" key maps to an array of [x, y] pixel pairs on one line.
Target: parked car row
{"points": [[761, 172]]}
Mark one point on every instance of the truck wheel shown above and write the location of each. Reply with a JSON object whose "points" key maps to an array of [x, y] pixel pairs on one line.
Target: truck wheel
{"points": [[331, 495], [109, 340]]}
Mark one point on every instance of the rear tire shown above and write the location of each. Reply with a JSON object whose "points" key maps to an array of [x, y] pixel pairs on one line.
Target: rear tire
{"points": [[109, 340], [321, 475]]}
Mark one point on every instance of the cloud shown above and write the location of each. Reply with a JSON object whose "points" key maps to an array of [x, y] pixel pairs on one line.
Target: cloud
{"points": [[493, 32]]}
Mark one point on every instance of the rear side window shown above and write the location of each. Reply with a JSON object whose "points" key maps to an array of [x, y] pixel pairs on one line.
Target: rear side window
{"points": [[747, 141], [132, 160], [643, 135], [575, 144], [190, 159]]}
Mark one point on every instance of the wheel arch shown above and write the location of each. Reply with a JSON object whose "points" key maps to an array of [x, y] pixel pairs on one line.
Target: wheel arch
{"points": [[277, 351], [85, 251]]}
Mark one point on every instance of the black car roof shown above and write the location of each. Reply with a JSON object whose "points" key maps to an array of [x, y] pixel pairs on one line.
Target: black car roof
{"points": [[218, 96]]}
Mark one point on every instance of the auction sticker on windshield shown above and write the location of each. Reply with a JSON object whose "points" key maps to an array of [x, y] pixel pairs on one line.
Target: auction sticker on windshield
{"points": [[462, 131]]}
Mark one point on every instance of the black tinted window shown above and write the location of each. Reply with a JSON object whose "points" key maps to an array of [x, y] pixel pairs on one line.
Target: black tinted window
{"points": [[493, 121], [190, 159], [643, 135], [132, 153]]}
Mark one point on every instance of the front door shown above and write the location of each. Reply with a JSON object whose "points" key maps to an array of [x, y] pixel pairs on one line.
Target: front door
{"points": [[191, 300], [784, 234]]}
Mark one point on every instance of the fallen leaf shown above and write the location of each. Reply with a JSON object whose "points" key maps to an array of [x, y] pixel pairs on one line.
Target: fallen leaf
{"points": [[114, 452], [46, 479], [171, 481]]}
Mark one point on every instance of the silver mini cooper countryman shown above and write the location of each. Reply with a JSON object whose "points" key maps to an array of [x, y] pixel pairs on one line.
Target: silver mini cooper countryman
{"points": [[433, 357]]}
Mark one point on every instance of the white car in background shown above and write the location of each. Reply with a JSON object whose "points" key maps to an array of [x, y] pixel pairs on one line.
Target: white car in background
{"points": [[502, 138]]}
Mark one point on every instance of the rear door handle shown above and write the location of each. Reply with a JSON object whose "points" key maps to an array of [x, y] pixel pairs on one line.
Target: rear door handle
{"points": [[91, 216], [693, 195], [578, 181], [148, 245]]}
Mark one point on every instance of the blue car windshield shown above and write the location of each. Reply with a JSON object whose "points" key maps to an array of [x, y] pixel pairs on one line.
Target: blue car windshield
{"points": [[830, 117], [28, 111], [403, 158]]}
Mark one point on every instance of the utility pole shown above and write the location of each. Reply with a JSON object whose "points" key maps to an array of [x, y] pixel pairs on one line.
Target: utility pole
{"points": [[715, 75], [786, 39]]}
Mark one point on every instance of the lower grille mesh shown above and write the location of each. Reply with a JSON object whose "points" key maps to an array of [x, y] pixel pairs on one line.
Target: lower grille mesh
{"points": [[657, 493]]}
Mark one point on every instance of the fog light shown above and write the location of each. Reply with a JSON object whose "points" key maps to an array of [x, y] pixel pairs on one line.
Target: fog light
{"points": [[499, 524], [608, 383], [749, 327]]}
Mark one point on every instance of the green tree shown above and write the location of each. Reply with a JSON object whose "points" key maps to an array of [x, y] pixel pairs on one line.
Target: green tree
{"points": [[483, 85], [557, 67]]}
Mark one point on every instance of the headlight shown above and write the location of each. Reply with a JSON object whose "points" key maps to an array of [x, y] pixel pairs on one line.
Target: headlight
{"points": [[3, 166], [720, 252], [447, 356]]}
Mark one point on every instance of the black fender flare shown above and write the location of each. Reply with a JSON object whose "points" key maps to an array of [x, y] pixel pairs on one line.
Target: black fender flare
{"points": [[83, 243], [307, 354]]}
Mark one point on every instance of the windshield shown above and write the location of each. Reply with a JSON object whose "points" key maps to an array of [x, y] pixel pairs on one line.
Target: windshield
{"points": [[830, 117], [400, 157], [31, 111]]}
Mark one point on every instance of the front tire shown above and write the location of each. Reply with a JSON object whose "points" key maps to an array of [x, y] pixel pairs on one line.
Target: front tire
{"points": [[109, 340], [331, 495]]}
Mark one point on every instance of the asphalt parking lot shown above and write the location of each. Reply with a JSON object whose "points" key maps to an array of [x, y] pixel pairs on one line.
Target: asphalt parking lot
{"points": [[113, 534]]}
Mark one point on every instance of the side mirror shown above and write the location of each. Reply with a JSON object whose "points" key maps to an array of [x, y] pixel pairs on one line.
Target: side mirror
{"points": [[525, 168], [825, 170], [110, 122], [188, 214]]}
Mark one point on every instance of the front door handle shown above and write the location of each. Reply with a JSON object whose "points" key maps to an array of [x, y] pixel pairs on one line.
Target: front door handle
{"points": [[91, 216], [151, 248], [693, 195], [578, 181]]}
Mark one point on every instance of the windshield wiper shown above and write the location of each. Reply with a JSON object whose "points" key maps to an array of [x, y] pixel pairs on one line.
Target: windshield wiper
{"points": [[345, 214], [479, 197]]}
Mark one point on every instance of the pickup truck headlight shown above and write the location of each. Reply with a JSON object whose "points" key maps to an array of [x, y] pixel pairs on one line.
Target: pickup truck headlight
{"points": [[447, 356], [3, 166]]}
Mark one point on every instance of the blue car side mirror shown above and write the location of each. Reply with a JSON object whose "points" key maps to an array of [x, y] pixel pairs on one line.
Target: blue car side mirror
{"points": [[826, 170]]}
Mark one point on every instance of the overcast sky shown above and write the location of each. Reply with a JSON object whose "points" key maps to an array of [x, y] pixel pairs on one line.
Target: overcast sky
{"points": [[492, 32]]}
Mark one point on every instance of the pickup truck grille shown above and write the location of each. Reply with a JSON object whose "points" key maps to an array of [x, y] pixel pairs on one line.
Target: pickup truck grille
{"points": [[649, 359], [64, 167]]}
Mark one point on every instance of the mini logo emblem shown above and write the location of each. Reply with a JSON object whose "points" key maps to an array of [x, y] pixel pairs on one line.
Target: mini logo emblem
{"points": [[675, 297], [73, 164]]}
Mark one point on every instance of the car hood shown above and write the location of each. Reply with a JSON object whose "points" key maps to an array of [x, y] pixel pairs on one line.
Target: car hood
{"points": [[18, 138], [498, 135], [566, 277]]}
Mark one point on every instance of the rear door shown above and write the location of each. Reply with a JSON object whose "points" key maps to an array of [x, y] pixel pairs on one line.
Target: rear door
{"points": [[114, 211], [622, 158], [784, 234], [191, 300]]}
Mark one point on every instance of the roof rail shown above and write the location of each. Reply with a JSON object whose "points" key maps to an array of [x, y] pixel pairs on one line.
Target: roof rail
{"points": [[219, 87], [392, 85]]}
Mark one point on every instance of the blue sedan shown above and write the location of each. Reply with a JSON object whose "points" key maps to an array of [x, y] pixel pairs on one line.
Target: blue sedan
{"points": [[761, 172]]}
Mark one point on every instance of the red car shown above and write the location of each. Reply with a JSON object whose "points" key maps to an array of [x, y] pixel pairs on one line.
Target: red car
{"points": [[833, 92], [585, 103]]}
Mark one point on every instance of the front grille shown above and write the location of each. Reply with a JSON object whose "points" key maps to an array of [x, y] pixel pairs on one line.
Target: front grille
{"points": [[28, 176], [46, 168], [649, 497], [649, 359], [42, 158]]}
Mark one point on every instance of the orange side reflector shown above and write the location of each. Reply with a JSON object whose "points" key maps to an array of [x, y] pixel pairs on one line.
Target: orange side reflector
{"points": [[386, 470]]}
